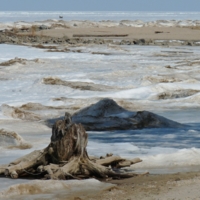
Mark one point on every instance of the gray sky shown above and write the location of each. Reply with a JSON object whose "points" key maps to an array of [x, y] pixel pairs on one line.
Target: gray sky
{"points": [[99, 5]]}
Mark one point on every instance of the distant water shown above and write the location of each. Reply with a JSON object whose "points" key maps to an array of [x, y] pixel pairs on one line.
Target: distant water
{"points": [[96, 16]]}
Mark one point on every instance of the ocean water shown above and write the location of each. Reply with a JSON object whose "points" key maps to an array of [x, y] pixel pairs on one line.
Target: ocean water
{"points": [[106, 19], [8, 16], [164, 80]]}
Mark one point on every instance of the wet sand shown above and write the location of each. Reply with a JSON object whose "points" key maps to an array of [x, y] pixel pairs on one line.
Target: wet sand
{"points": [[100, 34], [151, 187], [155, 33]]}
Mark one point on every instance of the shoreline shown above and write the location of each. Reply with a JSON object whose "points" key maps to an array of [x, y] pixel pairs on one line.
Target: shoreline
{"points": [[163, 186], [60, 33], [146, 187]]}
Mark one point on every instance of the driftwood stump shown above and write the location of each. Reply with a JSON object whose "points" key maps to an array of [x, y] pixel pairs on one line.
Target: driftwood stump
{"points": [[66, 157]]}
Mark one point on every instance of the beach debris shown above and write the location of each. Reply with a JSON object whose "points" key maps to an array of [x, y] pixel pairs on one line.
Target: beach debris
{"points": [[13, 61], [41, 34], [19, 113], [10, 139], [100, 35], [17, 60], [66, 157], [40, 46], [77, 85], [156, 32]]}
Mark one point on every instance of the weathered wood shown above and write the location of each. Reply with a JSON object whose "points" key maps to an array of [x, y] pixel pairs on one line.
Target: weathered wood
{"points": [[93, 158], [104, 172], [72, 143], [2, 168], [100, 35], [21, 165], [109, 160], [135, 160], [66, 157], [128, 163]]}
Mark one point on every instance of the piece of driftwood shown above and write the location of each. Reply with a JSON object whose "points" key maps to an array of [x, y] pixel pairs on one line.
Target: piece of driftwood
{"points": [[109, 160], [66, 157], [25, 163], [101, 35], [128, 163], [2, 168]]}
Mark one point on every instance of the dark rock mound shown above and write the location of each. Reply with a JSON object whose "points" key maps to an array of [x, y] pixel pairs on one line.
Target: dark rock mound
{"points": [[108, 115]]}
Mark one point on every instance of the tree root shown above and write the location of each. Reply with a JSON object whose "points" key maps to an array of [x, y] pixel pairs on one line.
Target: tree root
{"points": [[66, 158], [79, 168], [26, 163]]}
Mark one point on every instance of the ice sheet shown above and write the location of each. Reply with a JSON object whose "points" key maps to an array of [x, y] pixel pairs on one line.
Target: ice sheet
{"points": [[51, 189], [159, 79]]}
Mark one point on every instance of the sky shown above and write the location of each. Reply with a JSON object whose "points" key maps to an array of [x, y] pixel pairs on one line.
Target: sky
{"points": [[100, 5]]}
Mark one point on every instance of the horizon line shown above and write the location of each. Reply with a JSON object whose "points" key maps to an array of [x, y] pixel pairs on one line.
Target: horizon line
{"points": [[91, 11]]}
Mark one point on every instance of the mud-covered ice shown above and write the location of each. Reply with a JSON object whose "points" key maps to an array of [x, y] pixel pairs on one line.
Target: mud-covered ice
{"points": [[175, 161], [12, 140], [163, 80], [52, 189]]}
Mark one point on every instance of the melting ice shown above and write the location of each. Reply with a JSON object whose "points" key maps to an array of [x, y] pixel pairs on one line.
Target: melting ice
{"points": [[164, 80]]}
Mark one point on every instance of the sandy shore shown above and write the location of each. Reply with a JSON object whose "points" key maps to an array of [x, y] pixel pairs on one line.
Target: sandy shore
{"points": [[179, 186], [118, 35], [154, 33], [151, 187]]}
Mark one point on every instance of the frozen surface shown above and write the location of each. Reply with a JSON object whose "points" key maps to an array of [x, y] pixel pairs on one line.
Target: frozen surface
{"points": [[150, 77], [51, 189], [163, 80], [159, 79]]}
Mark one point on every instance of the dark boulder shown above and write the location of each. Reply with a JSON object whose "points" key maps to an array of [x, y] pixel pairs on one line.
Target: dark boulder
{"points": [[108, 115]]}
